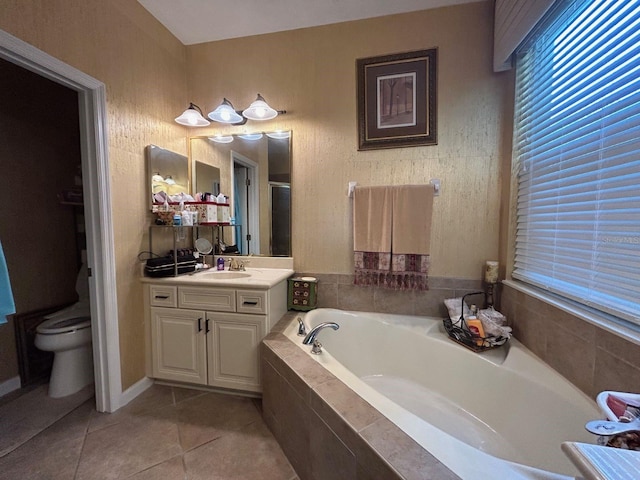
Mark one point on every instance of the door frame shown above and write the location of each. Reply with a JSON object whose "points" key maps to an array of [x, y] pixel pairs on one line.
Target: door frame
{"points": [[97, 200], [253, 174]]}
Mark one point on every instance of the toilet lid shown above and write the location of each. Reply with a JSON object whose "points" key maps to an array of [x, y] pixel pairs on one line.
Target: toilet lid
{"points": [[65, 325]]}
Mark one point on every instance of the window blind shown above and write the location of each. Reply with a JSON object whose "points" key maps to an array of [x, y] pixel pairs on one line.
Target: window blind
{"points": [[577, 148]]}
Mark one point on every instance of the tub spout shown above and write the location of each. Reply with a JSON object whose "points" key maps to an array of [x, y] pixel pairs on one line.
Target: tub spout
{"points": [[311, 339]]}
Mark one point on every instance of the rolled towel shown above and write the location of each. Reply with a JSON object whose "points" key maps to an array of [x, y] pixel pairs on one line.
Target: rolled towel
{"points": [[454, 306]]}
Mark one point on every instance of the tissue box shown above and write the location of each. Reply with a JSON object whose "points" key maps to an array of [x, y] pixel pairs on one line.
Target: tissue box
{"points": [[224, 213], [210, 212], [207, 212]]}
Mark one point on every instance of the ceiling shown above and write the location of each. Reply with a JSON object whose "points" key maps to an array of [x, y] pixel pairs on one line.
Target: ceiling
{"points": [[198, 21]]}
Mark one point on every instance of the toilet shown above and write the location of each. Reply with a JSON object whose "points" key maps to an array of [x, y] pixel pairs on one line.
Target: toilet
{"points": [[67, 333]]}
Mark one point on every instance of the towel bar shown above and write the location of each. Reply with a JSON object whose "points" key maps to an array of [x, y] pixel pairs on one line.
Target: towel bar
{"points": [[435, 182]]}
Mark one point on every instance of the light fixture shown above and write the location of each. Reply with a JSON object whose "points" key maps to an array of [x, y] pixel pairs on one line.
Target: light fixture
{"points": [[157, 178], [192, 117], [259, 110], [221, 138], [251, 136], [169, 180], [278, 135], [225, 113]]}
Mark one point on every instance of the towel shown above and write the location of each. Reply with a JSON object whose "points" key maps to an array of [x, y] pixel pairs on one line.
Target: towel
{"points": [[411, 238], [7, 306], [391, 232], [372, 210]]}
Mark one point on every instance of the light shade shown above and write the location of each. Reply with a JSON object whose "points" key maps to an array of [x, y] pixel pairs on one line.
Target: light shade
{"points": [[251, 136], [221, 138], [192, 117], [169, 180], [260, 110], [279, 135], [225, 113]]}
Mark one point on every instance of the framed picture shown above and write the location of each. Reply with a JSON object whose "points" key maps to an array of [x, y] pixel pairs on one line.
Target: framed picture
{"points": [[397, 100]]}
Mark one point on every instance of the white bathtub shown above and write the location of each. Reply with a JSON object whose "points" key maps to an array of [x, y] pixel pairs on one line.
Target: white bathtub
{"points": [[499, 414]]}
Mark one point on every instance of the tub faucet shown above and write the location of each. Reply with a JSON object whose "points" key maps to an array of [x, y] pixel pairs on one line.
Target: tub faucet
{"points": [[311, 339], [302, 329]]}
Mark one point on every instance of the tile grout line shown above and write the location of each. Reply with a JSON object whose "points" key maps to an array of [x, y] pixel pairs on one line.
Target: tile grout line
{"points": [[84, 441]]}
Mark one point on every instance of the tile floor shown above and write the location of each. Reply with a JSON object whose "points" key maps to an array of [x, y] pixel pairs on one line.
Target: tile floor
{"points": [[166, 433]]}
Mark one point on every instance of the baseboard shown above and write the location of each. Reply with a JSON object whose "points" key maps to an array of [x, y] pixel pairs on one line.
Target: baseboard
{"points": [[134, 390], [10, 385]]}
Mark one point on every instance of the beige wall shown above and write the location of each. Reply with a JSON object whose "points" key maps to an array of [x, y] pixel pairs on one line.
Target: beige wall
{"points": [[312, 74], [143, 68]]}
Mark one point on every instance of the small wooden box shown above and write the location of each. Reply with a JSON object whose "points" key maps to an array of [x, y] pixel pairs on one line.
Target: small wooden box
{"points": [[303, 293]]}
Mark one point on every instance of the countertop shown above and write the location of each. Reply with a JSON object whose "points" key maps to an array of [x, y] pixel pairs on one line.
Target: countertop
{"points": [[257, 278]]}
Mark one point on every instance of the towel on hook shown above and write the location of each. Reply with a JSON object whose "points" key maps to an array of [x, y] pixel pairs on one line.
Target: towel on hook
{"points": [[392, 229], [7, 306]]}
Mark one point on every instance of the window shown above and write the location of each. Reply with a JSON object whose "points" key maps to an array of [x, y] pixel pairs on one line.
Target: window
{"points": [[577, 148]]}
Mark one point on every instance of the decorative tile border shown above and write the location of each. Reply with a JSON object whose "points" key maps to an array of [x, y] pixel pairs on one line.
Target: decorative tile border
{"points": [[338, 291]]}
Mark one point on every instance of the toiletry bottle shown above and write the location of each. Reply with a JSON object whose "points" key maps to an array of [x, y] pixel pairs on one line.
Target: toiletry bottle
{"points": [[220, 263], [187, 218]]}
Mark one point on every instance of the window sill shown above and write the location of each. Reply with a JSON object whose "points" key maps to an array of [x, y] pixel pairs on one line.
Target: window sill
{"points": [[614, 325]]}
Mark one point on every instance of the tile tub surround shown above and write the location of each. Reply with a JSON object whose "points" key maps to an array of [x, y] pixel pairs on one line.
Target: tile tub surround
{"points": [[338, 291], [588, 356], [325, 429]]}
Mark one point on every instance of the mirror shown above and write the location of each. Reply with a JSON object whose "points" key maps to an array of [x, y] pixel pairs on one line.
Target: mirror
{"points": [[166, 171], [254, 171]]}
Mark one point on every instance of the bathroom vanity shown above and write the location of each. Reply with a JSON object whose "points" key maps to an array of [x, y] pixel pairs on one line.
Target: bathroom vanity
{"points": [[206, 328]]}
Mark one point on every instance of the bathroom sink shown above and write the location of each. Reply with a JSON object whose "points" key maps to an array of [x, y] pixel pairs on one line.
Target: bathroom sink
{"points": [[227, 275]]}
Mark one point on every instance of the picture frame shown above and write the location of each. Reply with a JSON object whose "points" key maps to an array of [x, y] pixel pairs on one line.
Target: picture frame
{"points": [[397, 100]]}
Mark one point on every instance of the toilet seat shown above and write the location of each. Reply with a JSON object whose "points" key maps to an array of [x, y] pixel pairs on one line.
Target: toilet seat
{"points": [[56, 326]]}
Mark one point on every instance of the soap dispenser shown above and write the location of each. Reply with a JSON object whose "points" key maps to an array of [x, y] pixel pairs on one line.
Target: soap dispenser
{"points": [[220, 263]]}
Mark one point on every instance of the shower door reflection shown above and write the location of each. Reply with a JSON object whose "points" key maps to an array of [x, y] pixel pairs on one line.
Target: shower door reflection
{"points": [[280, 211]]}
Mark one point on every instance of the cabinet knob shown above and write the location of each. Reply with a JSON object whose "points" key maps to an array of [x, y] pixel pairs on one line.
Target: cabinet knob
{"points": [[206, 326], [200, 324]]}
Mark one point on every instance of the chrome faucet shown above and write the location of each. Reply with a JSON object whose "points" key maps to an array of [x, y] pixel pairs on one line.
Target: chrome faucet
{"points": [[311, 339], [236, 265]]}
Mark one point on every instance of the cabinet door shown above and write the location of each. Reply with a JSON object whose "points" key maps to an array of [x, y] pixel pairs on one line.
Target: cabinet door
{"points": [[233, 341], [178, 345]]}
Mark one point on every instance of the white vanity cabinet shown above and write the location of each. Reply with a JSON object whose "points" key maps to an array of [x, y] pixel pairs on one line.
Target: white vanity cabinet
{"points": [[210, 335]]}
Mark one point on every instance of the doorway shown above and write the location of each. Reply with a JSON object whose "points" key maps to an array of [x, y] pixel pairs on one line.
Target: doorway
{"points": [[245, 203], [96, 186]]}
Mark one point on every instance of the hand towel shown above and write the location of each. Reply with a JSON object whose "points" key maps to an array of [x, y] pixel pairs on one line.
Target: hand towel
{"points": [[411, 236], [372, 210], [391, 232], [7, 306]]}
